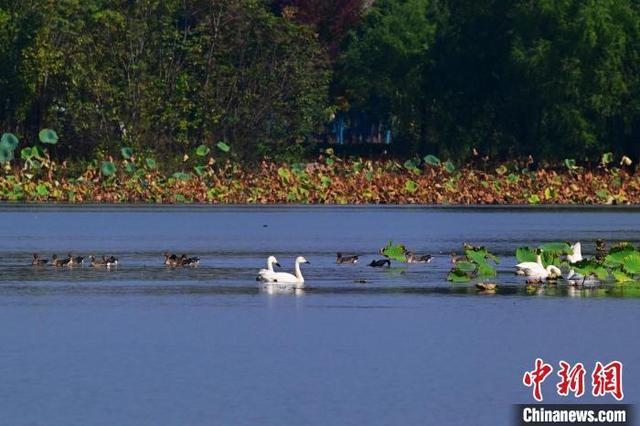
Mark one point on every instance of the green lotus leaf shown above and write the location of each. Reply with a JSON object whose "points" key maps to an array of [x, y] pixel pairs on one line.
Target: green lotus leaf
{"points": [[48, 136], [9, 140], [127, 152], [631, 263], [223, 147], [432, 160], [465, 266], [6, 154], [620, 276], [410, 186], [203, 150], [151, 163], [525, 254], [456, 276], [182, 176], [108, 168], [449, 167], [395, 252], [556, 248]]}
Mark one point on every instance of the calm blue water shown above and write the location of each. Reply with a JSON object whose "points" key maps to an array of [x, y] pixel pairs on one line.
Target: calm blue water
{"points": [[147, 345]]}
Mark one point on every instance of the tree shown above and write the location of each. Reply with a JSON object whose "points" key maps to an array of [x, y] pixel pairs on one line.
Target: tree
{"points": [[330, 19], [578, 62], [161, 75], [381, 71]]}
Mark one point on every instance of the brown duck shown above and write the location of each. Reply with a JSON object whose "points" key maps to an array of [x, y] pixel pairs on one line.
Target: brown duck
{"points": [[60, 262], [37, 261]]}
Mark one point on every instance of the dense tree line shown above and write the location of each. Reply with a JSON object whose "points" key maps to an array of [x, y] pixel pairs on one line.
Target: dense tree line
{"points": [[549, 78], [505, 78], [160, 75]]}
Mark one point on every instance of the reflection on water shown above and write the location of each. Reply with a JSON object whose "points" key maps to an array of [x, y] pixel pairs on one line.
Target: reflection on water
{"points": [[146, 344]]}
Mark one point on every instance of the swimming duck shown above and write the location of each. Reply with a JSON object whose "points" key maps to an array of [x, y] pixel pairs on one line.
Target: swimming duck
{"points": [[486, 286], [380, 263], [98, 262], [37, 261], [111, 261], [266, 274], [414, 258], [458, 258], [346, 259], [579, 280], [189, 261], [77, 260], [601, 250], [60, 262], [171, 260], [287, 278]]}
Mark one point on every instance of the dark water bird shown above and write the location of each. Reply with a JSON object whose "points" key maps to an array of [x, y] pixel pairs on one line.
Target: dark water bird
{"points": [[414, 258], [37, 261], [75, 260], [189, 261], [380, 263], [105, 261], [96, 263], [601, 250], [346, 259], [468, 246], [171, 260], [486, 286], [455, 258], [60, 262], [111, 260]]}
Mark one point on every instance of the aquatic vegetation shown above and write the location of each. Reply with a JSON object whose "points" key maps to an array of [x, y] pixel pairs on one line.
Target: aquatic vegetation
{"points": [[211, 174], [620, 264], [551, 253], [479, 264], [394, 252]]}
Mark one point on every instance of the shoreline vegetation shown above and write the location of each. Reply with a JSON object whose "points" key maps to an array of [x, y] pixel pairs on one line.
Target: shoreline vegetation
{"points": [[213, 175]]}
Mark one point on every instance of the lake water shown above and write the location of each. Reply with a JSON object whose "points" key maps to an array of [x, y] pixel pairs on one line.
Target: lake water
{"points": [[147, 345]]}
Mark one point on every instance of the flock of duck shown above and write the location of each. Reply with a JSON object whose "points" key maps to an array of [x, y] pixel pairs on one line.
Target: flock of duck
{"points": [[70, 260], [535, 272], [170, 260]]}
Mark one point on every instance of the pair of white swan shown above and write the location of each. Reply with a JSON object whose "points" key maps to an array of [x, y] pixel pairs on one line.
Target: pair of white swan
{"points": [[270, 276]]}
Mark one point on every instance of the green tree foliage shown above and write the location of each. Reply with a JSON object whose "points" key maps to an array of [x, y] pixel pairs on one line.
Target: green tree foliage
{"points": [[383, 66], [554, 79], [160, 75], [578, 65]]}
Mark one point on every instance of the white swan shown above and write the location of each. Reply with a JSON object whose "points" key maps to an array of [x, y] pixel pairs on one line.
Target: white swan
{"points": [[541, 274], [536, 270], [523, 267], [267, 274], [287, 278], [577, 253]]}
